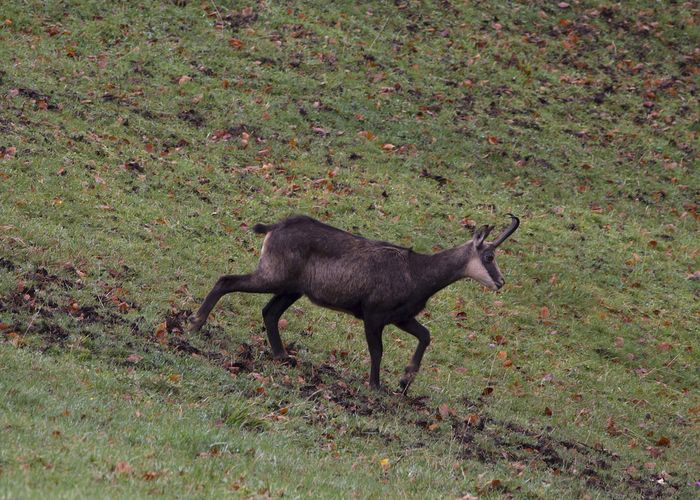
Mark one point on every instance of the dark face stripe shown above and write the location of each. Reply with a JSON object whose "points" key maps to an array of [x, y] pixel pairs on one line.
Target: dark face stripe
{"points": [[493, 271]]}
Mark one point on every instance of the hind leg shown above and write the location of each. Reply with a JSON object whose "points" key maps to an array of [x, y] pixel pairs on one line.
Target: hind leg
{"points": [[271, 315], [250, 283]]}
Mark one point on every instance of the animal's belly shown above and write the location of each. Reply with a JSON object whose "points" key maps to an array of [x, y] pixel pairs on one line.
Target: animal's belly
{"points": [[349, 308]]}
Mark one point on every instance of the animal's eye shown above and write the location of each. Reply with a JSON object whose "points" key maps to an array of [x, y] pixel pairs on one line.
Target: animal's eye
{"points": [[488, 257]]}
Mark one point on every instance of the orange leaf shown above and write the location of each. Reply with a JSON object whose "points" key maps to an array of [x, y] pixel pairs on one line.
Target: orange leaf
{"points": [[236, 43], [493, 140], [548, 411], [544, 312], [663, 441], [161, 332], [388, 147]]}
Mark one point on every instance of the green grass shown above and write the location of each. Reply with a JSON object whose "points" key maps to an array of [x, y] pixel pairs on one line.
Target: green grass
{"points": [[139, 143]]}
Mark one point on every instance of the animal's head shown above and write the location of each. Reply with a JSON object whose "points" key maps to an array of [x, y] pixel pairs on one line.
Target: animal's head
{"points": [[481, 265]]}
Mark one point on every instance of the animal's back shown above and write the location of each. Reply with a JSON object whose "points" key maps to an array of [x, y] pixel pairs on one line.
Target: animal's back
{"points": [[333, 267]]}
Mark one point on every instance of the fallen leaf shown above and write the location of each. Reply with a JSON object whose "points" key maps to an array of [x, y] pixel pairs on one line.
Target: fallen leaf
{"points": [[161, 332], [282, 324], [133, 358], [388, 147], [611, 428], [123, 468], [544, 312], [445, 411], [663, 346], [150, 475], [493, 140], [547, 411], [7, 152], [183, 79], [236, 43], [663, 441], [15, 339]]}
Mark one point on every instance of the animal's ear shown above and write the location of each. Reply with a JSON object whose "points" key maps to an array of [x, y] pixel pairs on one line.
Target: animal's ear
{"points": [[481, 234]]}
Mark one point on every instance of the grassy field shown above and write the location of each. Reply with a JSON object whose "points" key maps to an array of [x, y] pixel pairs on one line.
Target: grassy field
{"points": [[140, 143]]}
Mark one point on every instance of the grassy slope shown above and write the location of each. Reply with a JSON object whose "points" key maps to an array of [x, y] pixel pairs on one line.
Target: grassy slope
{"points": [[127, 186]]}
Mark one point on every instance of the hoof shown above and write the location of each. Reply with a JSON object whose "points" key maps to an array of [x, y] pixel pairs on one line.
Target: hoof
{"points": [[196, 324], [286, 360], [406, 381]]}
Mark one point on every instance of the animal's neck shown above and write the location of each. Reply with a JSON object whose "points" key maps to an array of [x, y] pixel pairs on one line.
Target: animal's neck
{"points": [[439, 270]]}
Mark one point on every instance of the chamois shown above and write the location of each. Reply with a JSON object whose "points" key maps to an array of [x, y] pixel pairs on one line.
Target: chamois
{"points": [[377, 282]]}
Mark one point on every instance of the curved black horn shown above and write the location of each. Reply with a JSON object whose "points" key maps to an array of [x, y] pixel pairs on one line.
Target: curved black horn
{"points": [[514, 223]]}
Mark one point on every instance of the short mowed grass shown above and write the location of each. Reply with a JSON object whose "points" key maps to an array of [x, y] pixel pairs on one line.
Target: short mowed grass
{"points": [[139, 143]]}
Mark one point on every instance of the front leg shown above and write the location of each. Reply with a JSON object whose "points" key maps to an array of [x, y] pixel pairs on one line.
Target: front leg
{"points": [[373, 333], [413, 327]]}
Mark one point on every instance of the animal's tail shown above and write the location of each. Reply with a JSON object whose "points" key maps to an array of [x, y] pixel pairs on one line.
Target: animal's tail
{"points": [[263, 228]]}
